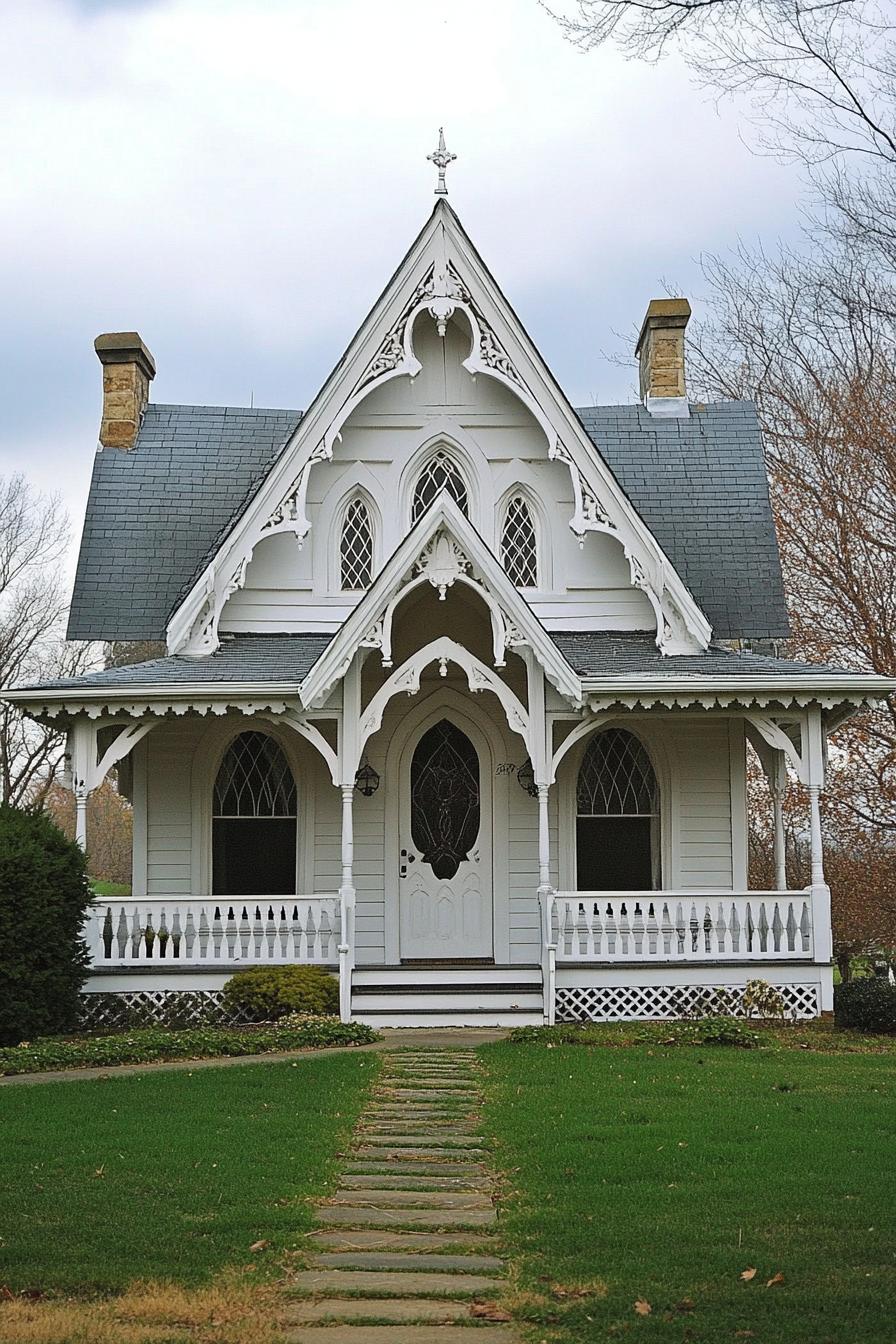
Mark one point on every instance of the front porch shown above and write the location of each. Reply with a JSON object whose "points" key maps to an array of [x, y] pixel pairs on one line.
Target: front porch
{"points": [[607, 955], [486, 828]]}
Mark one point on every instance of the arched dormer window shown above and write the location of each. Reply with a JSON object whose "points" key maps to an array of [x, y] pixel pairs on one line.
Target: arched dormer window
{"points": [[254, 820], [439, 473], [519, 544], [617, 816], [356, 548]]}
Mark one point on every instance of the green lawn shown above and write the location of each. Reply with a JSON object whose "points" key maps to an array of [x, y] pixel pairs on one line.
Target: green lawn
{"points": [[104, 888], [661, 1175], [170, 1175]]}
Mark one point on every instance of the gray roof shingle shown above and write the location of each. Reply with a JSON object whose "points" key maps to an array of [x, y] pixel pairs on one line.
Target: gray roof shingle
{"points": [[270, 659], [701, 487], [243, 659], [156, 515], [610, 653]]}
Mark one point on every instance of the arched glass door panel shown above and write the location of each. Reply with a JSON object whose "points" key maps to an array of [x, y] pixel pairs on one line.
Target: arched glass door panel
{"points": [[254, 820], [444, 798], [617, 816]]}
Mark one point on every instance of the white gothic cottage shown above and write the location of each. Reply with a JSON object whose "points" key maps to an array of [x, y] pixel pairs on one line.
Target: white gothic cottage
{"points": [[453, 701]]}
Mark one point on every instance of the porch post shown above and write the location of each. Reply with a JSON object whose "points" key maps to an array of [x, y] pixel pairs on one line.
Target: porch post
{"points": [[541, 751], [821, 892], [347, 906], [82, 764], [348, 765]]}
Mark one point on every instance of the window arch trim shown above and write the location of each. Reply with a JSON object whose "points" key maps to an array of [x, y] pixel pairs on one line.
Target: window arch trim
{"points": [[661, 750], [471, 463]]}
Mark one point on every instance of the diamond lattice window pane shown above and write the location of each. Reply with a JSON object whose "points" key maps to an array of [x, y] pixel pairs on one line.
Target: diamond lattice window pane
{"points": [[255, 780], [519, 548], [616, 778], [356, 547], [440, 473]]}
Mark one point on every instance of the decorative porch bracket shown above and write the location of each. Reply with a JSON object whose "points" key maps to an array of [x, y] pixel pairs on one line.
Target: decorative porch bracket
{"points": [[89, 768]]}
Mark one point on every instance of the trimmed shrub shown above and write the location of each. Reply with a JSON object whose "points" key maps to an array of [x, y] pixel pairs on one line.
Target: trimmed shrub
{"points": [[44, 892], [267, 993], [866, 1005]]}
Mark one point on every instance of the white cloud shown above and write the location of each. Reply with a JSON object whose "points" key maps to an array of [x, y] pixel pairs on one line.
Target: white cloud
{"points": [[238, 178]]}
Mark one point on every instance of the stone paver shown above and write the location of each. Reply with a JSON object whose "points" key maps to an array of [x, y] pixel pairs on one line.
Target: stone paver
{"points": [[407, 1243], [400, 1309]]}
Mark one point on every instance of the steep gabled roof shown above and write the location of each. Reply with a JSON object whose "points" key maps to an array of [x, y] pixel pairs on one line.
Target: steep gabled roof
{"points": [[442, 274], [700, 484], [154, 514]]}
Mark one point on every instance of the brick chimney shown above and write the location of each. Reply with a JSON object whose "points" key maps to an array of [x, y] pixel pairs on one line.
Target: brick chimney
{"points": [[661, 351], [128, 370]]}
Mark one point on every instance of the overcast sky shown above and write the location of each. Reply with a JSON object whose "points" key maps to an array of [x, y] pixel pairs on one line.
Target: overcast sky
{"points": [[236, 180]]}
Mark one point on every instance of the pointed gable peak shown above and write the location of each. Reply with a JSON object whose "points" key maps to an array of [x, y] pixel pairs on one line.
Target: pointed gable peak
{"points": [[442, 276], [442, 549]]}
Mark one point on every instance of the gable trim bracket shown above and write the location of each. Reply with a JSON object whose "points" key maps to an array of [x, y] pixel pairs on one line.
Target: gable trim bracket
{"points": [[443, 548], [441, 275]]}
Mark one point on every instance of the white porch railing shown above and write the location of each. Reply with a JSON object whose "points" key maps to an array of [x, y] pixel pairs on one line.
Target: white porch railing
{"points": [[666, 926], [175, 934]]}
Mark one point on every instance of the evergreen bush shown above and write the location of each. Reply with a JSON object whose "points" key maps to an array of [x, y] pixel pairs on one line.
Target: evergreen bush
{"points": [[868, 1004], [44, 892], [267, 993]]}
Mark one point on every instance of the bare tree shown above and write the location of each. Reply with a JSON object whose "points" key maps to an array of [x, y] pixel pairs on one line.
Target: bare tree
{"points": [[820, 74], [33, 538], [806, 340]]}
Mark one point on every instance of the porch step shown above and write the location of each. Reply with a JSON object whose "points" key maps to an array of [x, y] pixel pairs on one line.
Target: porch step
{"points": [[414, 974], [447, 996]]}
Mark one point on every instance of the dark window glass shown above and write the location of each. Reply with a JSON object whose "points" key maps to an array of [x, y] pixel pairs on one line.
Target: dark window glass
{"points": [[444, 798], [613, 854], [254, 821], [617, 823]]}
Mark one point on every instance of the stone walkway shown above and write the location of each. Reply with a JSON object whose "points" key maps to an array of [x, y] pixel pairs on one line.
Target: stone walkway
{"points": [[407, 1247]]}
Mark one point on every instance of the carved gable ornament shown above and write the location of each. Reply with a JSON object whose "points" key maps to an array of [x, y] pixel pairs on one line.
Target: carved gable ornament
{"points": [[449, 283]]}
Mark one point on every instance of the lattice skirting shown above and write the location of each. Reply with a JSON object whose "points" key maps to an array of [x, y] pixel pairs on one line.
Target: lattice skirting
{"points": [[602, 1003], [130, 1009]]}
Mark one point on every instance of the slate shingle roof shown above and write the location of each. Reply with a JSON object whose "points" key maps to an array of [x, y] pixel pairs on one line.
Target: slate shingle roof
{"points": [[156, 514], [701, 487], [278, 659], [244, 659], [605, 653]]}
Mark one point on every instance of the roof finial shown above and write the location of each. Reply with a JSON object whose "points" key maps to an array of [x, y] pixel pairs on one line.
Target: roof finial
{"points": [[441, 158]]}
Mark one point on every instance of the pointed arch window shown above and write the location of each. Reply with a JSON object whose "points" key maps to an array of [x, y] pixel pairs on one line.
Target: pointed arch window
{"points": [[617, 816], [519, 544], [440, 473], [254, 813], [356, 548]]}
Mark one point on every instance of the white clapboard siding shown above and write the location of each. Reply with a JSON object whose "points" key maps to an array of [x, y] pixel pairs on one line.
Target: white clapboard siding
{"points": [[704, 806]]}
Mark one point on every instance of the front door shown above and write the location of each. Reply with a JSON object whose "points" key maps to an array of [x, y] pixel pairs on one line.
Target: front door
{"points": [[445, 872]]}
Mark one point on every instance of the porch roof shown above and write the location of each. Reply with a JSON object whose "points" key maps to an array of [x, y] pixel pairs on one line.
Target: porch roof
{"points": [[613, 666]]}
